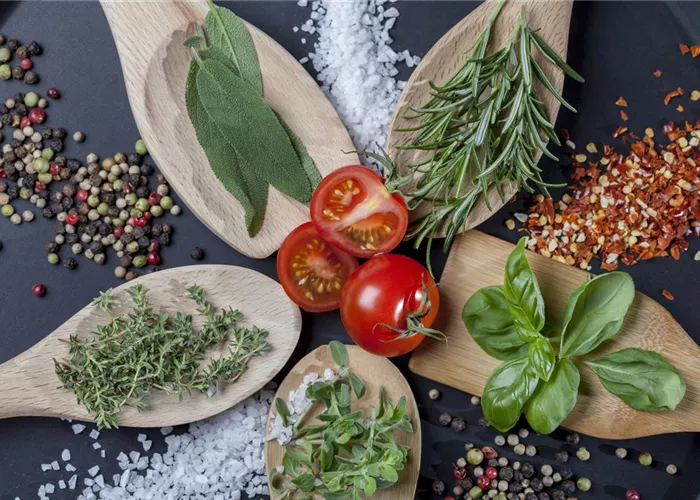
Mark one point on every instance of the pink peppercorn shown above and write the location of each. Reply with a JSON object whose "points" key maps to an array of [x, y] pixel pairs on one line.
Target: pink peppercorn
{"points": [[632, 495], [25, 63], [53, 93]]}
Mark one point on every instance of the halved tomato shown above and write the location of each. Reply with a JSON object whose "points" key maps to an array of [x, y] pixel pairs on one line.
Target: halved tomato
{"points": [[311, 271], [353, 210]]}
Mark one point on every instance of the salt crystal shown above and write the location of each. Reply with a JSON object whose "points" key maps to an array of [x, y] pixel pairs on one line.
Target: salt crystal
{"points": [[99, 481], [96, 446], [94, 470], [103, 454], [304, 60], [141, 438], [45, 467], [134, 456], [147, 445], [94, 434], [50, 488], [61, 484], [55, 466], [77, 428], [166, 430], [88, 482], [72, 482], [124, 480], [65, 455], [70, 468]]}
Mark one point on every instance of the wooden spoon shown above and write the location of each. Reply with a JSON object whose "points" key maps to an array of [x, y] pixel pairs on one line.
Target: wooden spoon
{"points": [[31, 387], [375, 372], [149, 38], [449, 54], [477, 260]]}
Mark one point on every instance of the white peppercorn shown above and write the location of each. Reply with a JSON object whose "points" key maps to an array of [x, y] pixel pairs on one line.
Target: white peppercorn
{"points": [[502, 461], [85, 238], [513, 439], [546, 470], [28, 131], [671, 469], [461, 462], [519, 449], [523, 433], [163, 190], [16, 218], [36, 137], [92, 158], [89, 254], [478, 471], [621, 452], [77, 248], [100, 258], [503, 485], [434, 394], [43, 103], [18, 135], [516, 465], [27, 216], [176, 210], [556, 477], [547, 481], [475, 399], [499, 440], [40, 203], [79, 137], [60, 239], [530, 450]]}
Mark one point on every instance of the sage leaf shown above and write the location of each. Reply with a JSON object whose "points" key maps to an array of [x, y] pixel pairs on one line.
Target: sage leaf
{"points": [[358, 386], [305, 159], [595, 313], [542, 358], [522, 292], [228, 33], [644, 380], [554, 399], [339, 353], [283, 410], [370, 486], [245, 186], [488, 320], [305, 481], [253, 130], [507, 390]]}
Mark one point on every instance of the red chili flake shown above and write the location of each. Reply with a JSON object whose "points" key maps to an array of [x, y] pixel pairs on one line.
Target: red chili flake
{"points": [[695, 51], [621, 102], [657, 73], [623, 115], [672, 94], [620, 130], [667, 294], [679, 108], [684, 48]]}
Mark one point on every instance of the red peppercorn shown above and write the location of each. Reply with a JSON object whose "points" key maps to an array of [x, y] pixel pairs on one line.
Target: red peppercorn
{"points": [[147, 216], [54, 168], [3, 174], [24, 122], [126, 188], [491, 472], [449, 498], [632, 495], [118, 232], [154, 199], [39, 186], [154, 246], [153, 258], [460, 472], [483, 482], [25, 63], [72, 219], [489, 452], [82, 194], [37, 116], [39, 290], [140, 221], [53, 93]]}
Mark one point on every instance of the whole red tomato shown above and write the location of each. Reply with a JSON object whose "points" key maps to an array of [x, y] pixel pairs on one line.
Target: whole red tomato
{"points": [[389, 304]]}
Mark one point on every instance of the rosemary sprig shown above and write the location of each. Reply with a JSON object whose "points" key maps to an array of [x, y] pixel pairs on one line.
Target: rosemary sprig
{"points": [[482, 128], [133, 354]]}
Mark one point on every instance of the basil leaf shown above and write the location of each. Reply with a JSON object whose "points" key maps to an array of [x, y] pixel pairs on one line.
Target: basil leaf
{"points": [[542, 359], [507, 390], [227, 33], [595, 313], [644, 380], [488, 320], [251, 127], [553, 400], [339, 353], [522, 291]]}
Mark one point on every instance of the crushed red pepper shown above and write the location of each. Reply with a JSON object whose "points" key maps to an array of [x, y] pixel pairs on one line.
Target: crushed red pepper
{"points": [[623, 115], [621, 102], [680, 108], [684, 48], [674, 93], [667, 294], [658, 73], [624, 207], [695, 51]]}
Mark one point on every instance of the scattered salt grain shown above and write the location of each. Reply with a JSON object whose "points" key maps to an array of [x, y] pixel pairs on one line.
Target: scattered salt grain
{"points": [[46, 467], [55, 466], [134, 456], [96, 446], [70, 468], [100, 481], [94, 434], [147, 445], [166, 430], [50, 488], [65, 455], [124, 480], [103, 454], [88, 482], [72, 482], [303, 60], [61, 484], [94, 470], [141, 438], [78, 428]]}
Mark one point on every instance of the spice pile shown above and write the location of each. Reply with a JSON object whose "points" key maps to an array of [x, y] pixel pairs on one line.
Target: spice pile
{"points": [[627, 207], [24, 69]]}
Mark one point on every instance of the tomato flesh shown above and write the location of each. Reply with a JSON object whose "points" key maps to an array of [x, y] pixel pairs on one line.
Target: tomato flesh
{"points": [[311, 271], [387, 289], [353, 210]]}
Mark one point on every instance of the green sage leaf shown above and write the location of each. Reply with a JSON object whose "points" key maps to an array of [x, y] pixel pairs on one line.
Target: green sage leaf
{"points": [[488, 319], [507, 390], [228, 33], [370, 486], [542, 358], [595, 313], [388, 473], [252, 129], [283, 410], [554, 399], [305, 482], [522, 292], [339, 353], [358, 386], [305, 159], [644, 380]]}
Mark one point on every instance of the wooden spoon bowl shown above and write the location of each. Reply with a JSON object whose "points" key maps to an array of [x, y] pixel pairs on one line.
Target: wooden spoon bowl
{"points": [[375, 372], [149, 37], [31, 387], [450, 53]]}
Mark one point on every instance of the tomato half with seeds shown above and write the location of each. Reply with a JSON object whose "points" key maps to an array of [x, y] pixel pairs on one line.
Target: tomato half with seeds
{"points": [[389, 304], [353, 210], [311, 271]]}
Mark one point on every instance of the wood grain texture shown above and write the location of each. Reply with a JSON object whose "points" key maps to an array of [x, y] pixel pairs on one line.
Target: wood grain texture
{"points": [[375, 372], [149, 38], [450, 53], [31, 387], [478, 260]]}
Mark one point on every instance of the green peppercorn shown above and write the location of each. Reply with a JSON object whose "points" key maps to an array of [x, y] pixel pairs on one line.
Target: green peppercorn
{"points": [[47, 153], [140, 147], [140, 261], [131, 198], [108, 163], [142, 204], [5, 72], [7, 210], [41, 165], [645, 459], [135, 213], [53, 258], [93, 200], [5, 54], [166, 202], [117, 222], [156, 211], [118, 185], [475, 456], [583, 484], [476, 492], [132, 247], [45, 178], [25, 193], [583, 454], [31, 99], [102, 209]]}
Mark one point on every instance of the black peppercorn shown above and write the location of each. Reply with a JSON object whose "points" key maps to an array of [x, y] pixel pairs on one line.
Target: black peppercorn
{"points": [[113, 212], [562, 456], [104, 229], [566, 473], [133, 159], [568, 487], [558, 495], [91, 229], [46, 133], [493, 463], [458, 424], [484, 423], [6, 119], [73, 164], [527, 470], [515, 487], [17, 73], [164, 239], [573, 438], [46, 212], [31, 78], [445, 418], [3, 186], [126, 238], [70, 263], [536, 485], [96, 246], [71, 238], [64, 174], [438, 487], [161, 179], [138, 232], [125, 261], [142, 191], [59, 227], [518, 476], [56, 145], [146, 169], [22, 52], [3, 109], [56, 207], [58, 133], [34, 49], [109, 199], [9, 157], [157, 229], [67, 203], [543, 496], [12, 44], [530, 496], [506, 473], [134, 179], [52, 247], [21, 110], [143, 242], [465, 483]]}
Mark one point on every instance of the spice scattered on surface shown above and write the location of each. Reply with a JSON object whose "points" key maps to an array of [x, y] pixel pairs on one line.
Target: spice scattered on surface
{"points": [[434, 394], [645, 459], [680, 108], [39, 290], [684, 48], [623, 115], [621, 102], [658, 73], [621, 453], [667, 294], [695, 95], [695, 51], [674, 93]]}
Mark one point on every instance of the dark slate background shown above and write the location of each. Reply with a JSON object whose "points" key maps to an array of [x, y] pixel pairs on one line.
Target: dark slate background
{"points": [[615, 45]]}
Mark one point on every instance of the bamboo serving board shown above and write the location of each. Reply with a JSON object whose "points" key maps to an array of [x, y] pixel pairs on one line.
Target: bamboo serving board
{"points": [[478, 260], [155, 63], [31, 388], [375, 371], [450, 53]]}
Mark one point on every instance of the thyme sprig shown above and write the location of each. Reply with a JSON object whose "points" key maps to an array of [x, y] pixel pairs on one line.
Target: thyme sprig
{"points": [[485, 126], [133, 354]]}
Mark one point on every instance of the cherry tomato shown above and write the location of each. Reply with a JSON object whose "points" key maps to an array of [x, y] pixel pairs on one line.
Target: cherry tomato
{"points": [[311, 271], [389, 290], [353, 210]]}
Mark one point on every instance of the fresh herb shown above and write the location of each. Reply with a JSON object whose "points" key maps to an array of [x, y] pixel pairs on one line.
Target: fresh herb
{"points": [[508, 323], [347, 454], [482, 129], [144, 350], [247, 143]]}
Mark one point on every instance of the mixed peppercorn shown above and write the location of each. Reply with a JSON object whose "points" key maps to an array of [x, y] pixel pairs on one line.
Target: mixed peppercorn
{"points": [[20, 56]]}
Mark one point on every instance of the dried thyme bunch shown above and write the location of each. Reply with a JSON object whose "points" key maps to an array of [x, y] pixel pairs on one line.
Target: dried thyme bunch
{"points": [[143, 350]]}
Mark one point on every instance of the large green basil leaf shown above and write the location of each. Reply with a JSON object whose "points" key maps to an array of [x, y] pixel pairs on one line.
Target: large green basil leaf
{"points": [[487, 317], [644, 380], [595, 313], [554, 400], [542, 358], [507, 390], [522, 292]]}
